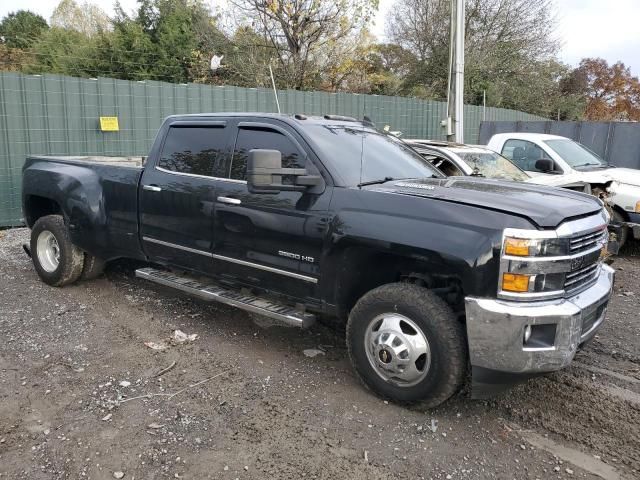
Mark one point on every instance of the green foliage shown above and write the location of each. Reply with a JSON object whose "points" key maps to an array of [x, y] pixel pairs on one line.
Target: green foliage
{"points": [[21, 29], [325, 45], [67, 52]]}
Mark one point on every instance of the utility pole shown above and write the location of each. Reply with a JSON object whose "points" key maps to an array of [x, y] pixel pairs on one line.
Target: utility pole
{"points": [[455, 96]]}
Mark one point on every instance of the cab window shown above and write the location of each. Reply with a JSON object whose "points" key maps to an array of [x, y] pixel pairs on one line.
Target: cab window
{"points": [[194, 150], [263, 138], [443, 164], [524, 154]]}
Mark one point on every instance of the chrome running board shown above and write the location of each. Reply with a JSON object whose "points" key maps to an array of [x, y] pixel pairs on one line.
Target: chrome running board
{"points": [[214, 292]]}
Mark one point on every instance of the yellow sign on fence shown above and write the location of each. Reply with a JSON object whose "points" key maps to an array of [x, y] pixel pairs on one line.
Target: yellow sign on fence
{"points": [[109, 124]]}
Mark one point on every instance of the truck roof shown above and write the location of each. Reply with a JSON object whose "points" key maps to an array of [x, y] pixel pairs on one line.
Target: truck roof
{"points": [[297, 118], [528, 136]]}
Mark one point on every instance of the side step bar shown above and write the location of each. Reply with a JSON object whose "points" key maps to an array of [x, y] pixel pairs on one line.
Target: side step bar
{"points": [[216, 293]]}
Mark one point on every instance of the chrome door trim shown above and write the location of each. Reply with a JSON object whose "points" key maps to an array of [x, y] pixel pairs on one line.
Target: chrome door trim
{"points": [[229, 200], [173, 245], [233, 260], [208, 177]]}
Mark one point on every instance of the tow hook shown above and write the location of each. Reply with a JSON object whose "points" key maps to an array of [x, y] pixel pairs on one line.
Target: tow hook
{"points": [[26, 249]]}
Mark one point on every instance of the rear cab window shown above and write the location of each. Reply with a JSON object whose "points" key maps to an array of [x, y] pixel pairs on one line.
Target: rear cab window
{"points": [[194, 150]]}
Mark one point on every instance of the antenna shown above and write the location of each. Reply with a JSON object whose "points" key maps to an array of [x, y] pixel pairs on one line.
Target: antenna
{"points": [[273, 83], [364, 114]]}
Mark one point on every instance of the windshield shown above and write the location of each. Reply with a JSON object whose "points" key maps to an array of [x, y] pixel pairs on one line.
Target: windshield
{"points": [[380, 155], [491, 164], [575, 154]]}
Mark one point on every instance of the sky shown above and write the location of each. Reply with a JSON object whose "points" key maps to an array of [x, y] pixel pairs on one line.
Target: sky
{"points": [[586, 28]]}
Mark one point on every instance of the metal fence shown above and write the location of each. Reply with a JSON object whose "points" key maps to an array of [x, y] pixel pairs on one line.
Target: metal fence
{"points": [[616, 142], [58, 115]]}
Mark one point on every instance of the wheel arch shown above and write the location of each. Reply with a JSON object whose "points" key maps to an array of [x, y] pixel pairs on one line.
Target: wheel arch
{"points": [[37, 206], [351, 283]]}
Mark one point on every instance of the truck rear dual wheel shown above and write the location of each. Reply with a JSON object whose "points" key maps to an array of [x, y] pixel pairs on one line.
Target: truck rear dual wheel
{"points": [[406, 345], [57, 261]]}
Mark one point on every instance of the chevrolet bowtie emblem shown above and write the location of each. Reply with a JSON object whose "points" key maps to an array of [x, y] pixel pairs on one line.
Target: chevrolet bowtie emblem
{"points": [[385, 356]]}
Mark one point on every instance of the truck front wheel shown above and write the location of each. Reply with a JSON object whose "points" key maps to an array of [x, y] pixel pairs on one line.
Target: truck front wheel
{"points": [[406, 344], [57, 261]]}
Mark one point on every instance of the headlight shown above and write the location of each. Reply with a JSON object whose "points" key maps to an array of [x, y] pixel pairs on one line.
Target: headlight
{"points": [[535, 247], [547, 264]]}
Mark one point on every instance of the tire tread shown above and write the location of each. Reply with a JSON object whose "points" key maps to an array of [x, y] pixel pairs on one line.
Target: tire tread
{"points": [[442, 318]]}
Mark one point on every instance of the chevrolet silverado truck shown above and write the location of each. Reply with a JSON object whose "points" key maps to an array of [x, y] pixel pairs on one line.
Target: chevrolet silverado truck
{"points": [[551, 158], [299, 218]]}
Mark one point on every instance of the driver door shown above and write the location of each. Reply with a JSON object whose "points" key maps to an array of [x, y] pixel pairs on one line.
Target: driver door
{"points": [[270, 241], [525, 154]]}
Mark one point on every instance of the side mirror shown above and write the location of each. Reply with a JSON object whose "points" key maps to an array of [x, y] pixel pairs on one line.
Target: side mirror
{"points": [[265, 172], [544, 165]]}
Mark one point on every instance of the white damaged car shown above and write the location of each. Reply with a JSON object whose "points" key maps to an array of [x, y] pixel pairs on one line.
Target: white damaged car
{"points": [[552, 160]]}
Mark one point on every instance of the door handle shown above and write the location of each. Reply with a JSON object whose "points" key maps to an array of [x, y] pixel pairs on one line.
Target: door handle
{"points": [[229, 201], [152, 188]]}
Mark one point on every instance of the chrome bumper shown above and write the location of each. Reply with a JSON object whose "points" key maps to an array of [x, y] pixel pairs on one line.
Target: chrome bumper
{"points": [[495, 329]]}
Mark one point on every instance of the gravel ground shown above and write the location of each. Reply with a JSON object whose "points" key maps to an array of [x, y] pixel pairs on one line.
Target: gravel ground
{"points": [[80, 395]]}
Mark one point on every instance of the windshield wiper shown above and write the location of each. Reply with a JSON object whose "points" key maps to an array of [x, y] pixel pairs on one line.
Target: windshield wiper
{"points": [[377, 182], [587, 165]]}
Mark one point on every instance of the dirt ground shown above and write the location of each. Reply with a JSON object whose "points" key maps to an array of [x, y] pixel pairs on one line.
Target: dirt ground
{"points": [[81, 395]]}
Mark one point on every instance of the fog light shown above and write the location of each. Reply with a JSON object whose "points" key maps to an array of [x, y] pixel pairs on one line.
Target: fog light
{"points": [[527, 334], [513, 282]]}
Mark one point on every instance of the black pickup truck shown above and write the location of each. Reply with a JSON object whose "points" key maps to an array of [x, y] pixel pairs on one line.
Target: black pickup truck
{"points": [[300, 218]]}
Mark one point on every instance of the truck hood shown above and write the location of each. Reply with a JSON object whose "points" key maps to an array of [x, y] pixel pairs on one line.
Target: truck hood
{"points": [[629, 176], [547, 207], [592, 178]]}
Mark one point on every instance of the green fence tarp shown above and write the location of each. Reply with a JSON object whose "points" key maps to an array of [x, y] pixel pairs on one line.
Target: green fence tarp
{"points": [[59, 115]]}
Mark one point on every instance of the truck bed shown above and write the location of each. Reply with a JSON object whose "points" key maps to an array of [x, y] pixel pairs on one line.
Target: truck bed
{"points": [[134, 161], [98, 194]]}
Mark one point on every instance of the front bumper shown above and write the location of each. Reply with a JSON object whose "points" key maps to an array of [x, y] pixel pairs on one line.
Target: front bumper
{"points": [[634, 224], [495, 331]]}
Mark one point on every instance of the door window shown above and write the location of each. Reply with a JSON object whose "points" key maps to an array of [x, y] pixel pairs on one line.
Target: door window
{"points": [[194, 150], [443, 164], [524, 154], [249, 139]]}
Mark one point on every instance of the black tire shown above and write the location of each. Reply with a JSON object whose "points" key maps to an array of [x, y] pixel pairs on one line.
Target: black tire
{"points": [[445, 336], [92, 268], [624, 231], [71, 258]]}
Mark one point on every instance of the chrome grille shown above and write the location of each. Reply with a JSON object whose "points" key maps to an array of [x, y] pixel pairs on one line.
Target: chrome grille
{"points": [[587, 241], [585, 275], [578, 279]]}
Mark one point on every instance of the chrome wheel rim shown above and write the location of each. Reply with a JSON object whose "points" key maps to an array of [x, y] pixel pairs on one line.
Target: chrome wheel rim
{"points": [[397, 349], [48, 251]]}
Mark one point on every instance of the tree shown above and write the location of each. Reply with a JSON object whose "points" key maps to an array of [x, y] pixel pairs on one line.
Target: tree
{"points": [[302, 34], [64, 51], [21, 29], [506, 42], [610, 92], [87, 18], [170, 40]]}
